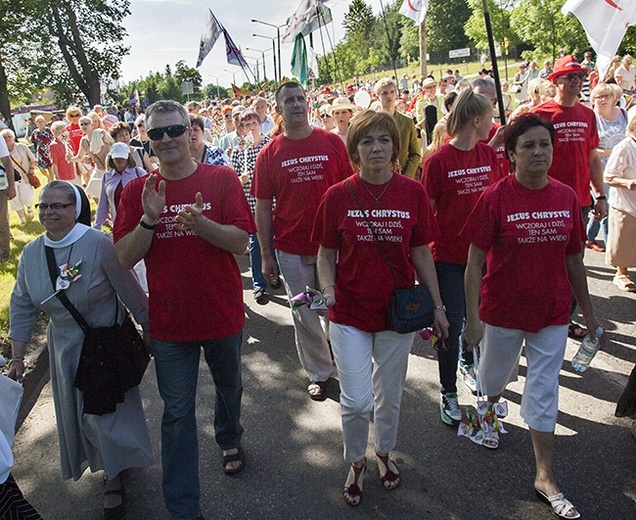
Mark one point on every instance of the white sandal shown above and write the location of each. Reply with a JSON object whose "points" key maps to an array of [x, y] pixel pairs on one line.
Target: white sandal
{"points": [[560, 505], [492, 438]]}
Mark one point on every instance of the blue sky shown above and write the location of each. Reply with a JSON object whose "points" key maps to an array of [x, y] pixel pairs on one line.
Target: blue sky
{"points": [[165, 31]]}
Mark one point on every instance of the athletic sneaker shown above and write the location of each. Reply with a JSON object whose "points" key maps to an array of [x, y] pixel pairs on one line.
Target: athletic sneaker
{"points": [[449, 409], [467, 373]]}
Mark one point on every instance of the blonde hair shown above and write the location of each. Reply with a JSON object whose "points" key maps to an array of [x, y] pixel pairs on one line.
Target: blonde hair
{"points": [[383, 82], [606, 88], [40, 118], [467, 106], [58, 127]]}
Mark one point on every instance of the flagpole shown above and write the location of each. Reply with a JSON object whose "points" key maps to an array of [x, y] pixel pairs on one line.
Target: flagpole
{"points": [[495, 68]]}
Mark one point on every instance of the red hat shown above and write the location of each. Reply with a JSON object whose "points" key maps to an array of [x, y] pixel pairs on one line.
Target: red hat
{"points": [[564, 66]]}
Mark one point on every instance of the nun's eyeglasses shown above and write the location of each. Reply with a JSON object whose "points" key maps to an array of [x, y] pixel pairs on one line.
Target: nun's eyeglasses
{"points": [[56, 206]]}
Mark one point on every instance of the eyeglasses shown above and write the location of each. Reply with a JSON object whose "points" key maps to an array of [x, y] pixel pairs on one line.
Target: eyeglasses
{"points": [[139, 125], [576, 75], [228, 116], [56, 206], [173, 131], [322, 116]]}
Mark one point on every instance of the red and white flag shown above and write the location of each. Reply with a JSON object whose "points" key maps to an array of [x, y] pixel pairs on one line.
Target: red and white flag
{"points": [[605, 23], [415, 10]]}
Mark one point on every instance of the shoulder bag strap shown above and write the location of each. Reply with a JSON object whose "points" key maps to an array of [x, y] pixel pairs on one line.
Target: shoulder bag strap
{"points": [[375, 235], [50, 260], [18, 165]]}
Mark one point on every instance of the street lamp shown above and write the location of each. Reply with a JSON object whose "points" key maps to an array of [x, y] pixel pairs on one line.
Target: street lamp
{"points": [[276, 77], [277, 27], [263, 58], [218, 95], [233, 76], [254, 61]]}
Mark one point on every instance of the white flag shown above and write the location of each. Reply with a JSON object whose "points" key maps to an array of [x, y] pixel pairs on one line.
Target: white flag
{"points": [[308, 16], [415, 10], [605, 23], [312, 64], [209, 37]]}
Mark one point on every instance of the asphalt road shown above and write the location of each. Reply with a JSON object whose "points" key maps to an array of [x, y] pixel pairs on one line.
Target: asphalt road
{"points": [[294, 445]]}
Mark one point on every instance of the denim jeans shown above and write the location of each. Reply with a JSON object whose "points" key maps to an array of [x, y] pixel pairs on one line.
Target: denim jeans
{"points": [[450, 278], [593, 225], [177, 366], [256, 261]]}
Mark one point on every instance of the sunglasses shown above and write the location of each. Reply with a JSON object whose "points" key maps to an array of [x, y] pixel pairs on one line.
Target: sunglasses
{"points": [[322, 116], [74, 115], [173, 131], [228, 116], [140, 125], [576, 75]]}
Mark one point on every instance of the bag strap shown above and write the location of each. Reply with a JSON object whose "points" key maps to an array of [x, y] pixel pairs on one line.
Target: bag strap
{"points": [[18, 165], [50, 260], [375, 235]]}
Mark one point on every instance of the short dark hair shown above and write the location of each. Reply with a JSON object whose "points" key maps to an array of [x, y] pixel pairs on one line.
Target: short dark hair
{"points": [[196, 120], [279, 90], [119, 127], [362, 124], [520, 125]]}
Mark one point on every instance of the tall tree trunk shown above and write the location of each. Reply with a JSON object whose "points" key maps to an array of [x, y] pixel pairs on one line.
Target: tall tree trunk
{"points": [[5, 105]]}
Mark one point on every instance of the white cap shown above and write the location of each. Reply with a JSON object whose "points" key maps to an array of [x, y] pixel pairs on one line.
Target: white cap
{"points": [[120, 151]]}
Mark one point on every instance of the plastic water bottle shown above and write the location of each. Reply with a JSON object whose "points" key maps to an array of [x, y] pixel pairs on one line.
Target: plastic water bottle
{"points": [[588, 349]]}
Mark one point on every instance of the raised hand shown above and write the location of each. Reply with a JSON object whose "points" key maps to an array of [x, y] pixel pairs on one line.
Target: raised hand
{"points": [[191, 216], [153, 200]]}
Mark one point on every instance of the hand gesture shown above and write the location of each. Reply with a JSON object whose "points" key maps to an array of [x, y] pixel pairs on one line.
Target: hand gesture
{"points": [[153, 200], [191, 216]]}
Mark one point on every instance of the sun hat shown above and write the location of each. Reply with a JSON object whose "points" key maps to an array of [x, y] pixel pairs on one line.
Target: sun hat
{"points": [[341, 103], [119, 151], [564, 66], [428, 81]]}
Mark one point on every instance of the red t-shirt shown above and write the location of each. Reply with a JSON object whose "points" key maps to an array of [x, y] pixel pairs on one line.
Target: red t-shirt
{"points": [[504, 162], [65, 169], [575, 137], [195, 288], [527, 235], [455, 179], [75, 135], [297, 174], [403, 219]]}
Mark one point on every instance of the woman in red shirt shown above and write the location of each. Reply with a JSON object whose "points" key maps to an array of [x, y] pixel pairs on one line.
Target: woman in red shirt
{"points": [[357, 280], [527, 228], [454, 177]]}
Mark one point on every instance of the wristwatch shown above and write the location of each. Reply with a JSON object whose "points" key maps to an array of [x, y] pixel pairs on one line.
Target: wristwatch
{"points": [[147, 226]]}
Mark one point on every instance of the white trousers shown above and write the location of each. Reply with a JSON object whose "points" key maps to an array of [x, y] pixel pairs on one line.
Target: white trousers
{"points": [[372, 370], [499, 364], [311, 341], [24, 195]]}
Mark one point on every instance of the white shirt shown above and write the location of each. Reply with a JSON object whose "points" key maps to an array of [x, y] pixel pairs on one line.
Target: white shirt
{"points": [[4, 152]]}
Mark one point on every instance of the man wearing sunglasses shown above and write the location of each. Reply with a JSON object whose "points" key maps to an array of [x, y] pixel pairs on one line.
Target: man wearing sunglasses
{"points": [[187, 223], [576, 160], [296, 168]]}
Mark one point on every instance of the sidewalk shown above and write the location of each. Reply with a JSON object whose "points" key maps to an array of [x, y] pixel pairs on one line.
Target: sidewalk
{"points": [[294, 445]]}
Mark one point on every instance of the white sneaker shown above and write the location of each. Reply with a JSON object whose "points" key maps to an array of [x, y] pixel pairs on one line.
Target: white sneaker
{"points": [[467, 373]]}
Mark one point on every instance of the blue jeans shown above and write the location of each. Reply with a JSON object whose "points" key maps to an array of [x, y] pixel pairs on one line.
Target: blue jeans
{"points": [[177, 366], [256, 262], [450, 278], [594, 225]]}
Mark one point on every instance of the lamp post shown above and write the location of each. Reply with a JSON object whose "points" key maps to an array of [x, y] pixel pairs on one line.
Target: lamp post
{"points": [[277, 27], [217, 84], [255, 61], [262, 57], [233, 76], [276, 76]]}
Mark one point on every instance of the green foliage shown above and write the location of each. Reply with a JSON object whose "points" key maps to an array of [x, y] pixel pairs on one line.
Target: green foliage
{"points": [[184, 73], [540, 23], [504, 33], [445, 25]]}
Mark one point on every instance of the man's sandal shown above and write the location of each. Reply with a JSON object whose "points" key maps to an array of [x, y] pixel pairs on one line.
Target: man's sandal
{"points": [[352, 491], [390, 479], [560, 505], [239, 456], [576, 331], [317, 390]]}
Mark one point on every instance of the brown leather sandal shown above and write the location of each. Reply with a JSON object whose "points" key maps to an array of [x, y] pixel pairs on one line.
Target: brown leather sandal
{"points": [[352, 491], [390, 480]]}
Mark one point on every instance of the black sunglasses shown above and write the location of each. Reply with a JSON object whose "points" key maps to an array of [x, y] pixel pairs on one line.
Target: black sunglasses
{"points": [[173, 131]]}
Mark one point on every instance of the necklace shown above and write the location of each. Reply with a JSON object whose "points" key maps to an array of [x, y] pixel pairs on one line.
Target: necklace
{"points": [[377, 199]]}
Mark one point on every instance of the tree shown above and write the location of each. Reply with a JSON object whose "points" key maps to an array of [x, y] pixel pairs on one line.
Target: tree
{"points": [[88, 34], [184, 73], [358, 23], [387, 32], [445, 25], [500, 13], [541, 24]]}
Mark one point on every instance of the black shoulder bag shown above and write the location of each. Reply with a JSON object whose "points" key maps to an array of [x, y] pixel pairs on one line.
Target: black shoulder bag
{"points": [[411, 308], [113, 359]]}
